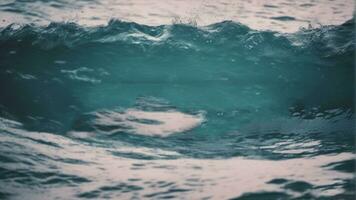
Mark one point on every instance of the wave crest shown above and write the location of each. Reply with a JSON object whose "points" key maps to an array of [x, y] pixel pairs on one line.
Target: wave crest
{"points": [[329, 39]]}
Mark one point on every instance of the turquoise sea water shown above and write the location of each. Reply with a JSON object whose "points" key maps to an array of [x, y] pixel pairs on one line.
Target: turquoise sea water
{"points": [[131, 111]]}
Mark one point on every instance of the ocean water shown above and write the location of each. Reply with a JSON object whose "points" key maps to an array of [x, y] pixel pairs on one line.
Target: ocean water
{"points": [[178, 106]]}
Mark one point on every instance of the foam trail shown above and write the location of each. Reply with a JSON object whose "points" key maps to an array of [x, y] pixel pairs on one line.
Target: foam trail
{"points": [[152, 123]]}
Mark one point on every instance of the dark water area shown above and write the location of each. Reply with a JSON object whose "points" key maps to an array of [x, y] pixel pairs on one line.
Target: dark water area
{"points": [[132, 111]]}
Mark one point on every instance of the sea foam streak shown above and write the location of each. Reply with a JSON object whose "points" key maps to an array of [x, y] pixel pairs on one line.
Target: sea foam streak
{"points": [[151, 123]]}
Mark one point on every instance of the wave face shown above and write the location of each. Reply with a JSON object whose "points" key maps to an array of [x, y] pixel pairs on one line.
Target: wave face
{"points": [[135, 111]]}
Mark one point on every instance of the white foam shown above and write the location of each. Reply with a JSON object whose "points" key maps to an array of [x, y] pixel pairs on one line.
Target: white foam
{"points": [[163, 123], [214, 178]]}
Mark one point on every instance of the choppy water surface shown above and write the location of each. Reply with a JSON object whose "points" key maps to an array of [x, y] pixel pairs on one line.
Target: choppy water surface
{"points": [[278, 15], [156, 110]]}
